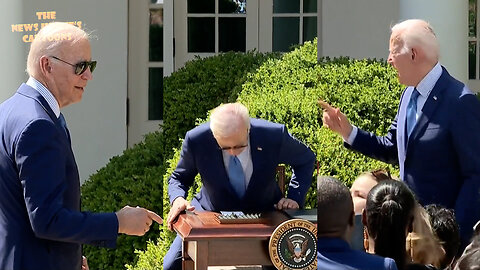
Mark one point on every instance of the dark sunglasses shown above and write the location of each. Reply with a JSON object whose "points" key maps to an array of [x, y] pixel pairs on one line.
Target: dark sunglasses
{"points": [[233, 147], [381, 174], [81, 67]]}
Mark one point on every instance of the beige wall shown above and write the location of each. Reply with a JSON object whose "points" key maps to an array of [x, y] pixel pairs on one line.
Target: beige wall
{"points": [[356, 28]]}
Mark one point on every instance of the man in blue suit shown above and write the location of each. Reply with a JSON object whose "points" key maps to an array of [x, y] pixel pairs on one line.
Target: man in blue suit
{"points": [[236, 157], [41, 225], [335, 226], [435, 135]]}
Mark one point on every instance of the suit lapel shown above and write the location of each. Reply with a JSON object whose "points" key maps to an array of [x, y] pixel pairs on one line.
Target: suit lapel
{"points": [[258, 157], [34, 94], [429, 108]]}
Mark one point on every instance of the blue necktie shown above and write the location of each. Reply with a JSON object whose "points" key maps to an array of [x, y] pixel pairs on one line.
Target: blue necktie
{"points": [[63, 123], [236, 175], [412, 111]]}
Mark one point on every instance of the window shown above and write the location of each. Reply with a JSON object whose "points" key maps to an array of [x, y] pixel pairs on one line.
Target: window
{"points": [[294, 22], [155, 64], [216, 26]]}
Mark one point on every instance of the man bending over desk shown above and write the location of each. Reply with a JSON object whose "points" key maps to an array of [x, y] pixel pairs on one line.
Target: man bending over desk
{"points": [[236, 157]]}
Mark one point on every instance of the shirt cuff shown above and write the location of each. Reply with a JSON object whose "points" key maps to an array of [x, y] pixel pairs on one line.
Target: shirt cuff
{"points": [[352, 136]]}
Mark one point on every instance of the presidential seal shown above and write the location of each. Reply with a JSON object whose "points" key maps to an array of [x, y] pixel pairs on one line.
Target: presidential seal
{"points": [[293, 245]]}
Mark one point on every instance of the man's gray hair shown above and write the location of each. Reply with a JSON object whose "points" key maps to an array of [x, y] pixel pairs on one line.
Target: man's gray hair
{"points": [[417, 33], [227, 119], [49, 40]]}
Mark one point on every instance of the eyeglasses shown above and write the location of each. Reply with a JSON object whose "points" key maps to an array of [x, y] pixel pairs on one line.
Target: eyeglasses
{"points": [[381, 174], [81, 67], [233, 147]]}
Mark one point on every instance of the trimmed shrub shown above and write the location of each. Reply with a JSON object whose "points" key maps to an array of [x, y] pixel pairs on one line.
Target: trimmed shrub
{"points": [[286, 90], [133, 178]]}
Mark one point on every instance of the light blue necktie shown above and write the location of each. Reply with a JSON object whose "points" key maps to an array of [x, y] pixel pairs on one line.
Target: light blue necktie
{"points": [[412, 111], [236, 175], [63, 123]]}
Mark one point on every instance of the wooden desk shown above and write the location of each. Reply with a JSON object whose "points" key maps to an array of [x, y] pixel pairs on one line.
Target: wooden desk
{"points": [[209, 243]]}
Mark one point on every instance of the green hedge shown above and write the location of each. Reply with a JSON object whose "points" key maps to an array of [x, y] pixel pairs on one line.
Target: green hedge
{"points": [[133, 178], [286, 90]]}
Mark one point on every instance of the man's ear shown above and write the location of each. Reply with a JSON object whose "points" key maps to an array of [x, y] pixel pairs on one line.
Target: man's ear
{"points": [[45, 65]]}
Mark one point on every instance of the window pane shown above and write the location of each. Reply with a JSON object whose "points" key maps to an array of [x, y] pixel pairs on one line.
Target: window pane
{"points": [[472, 18], [309, 28], [232, 6], [285, 33], [232, 34], [286, 6], [472, 62], [200, 6], [201, 34], [155, 94], [310, 6], [156, 35]]}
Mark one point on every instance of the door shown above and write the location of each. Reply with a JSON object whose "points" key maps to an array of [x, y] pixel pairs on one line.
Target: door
{"points": [[150, 58], [205, 28]]}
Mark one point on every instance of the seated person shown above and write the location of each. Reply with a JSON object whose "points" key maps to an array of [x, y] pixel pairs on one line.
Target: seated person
{"points": [[236, 157], [335, 224], [446, 229], [359, 190], [423, 245]]}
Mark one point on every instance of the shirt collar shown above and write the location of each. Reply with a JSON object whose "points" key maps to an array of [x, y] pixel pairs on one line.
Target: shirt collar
{"points": [[46, 94], [428, 82]]}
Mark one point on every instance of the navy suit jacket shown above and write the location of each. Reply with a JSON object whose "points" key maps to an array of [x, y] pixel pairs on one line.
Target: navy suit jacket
{"points": [[441, 160], [336, 254], [41, 226], [270, 145]]}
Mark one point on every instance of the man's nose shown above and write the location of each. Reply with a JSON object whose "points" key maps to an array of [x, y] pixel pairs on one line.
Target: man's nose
{"points": [[87, 75]]}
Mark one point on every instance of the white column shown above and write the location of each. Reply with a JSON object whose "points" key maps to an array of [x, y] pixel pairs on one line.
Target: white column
{"points": [[449, 20]]}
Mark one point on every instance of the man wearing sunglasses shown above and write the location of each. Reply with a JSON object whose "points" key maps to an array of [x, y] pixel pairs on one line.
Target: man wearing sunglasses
{"points": [[41, 225], [236, 157]]}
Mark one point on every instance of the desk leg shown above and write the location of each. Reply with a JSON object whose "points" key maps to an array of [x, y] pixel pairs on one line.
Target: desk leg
{"points": [[201, 260], [195, 255]]}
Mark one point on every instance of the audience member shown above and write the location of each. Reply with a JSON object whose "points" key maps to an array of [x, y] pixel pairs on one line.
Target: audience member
{"points": [[359, 190], [446, 229], [335, 207], [423, 245], [363, 184], [388, 217]]}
